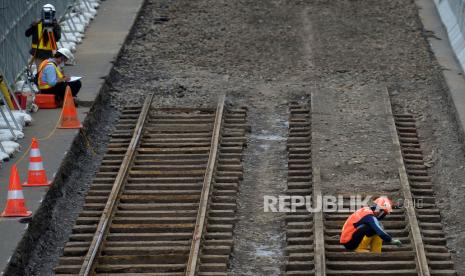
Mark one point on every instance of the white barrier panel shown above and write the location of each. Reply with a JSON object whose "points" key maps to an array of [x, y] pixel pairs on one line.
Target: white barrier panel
{"points": [[452, 13]]}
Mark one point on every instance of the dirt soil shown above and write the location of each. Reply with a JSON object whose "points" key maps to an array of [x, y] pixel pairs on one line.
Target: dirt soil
{"points": [[259, 237], [352, 142], [265, 53], [363, 41]]}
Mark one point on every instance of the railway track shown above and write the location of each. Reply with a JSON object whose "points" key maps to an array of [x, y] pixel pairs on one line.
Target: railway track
{"points": [[311, 252], [421, 187], [299, 224], [164, 200]]}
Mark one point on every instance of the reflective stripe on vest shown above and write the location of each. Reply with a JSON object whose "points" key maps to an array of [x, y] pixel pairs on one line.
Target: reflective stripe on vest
{"points": [[41, 39], [42, 84], [349, 226]]}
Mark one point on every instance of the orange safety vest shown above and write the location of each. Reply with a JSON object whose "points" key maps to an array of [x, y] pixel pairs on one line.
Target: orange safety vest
{"points": [[349, 226], [42, 84], [50, 45]]}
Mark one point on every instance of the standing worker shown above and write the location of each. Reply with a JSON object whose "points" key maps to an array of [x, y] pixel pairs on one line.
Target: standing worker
{"points": [[51, 78], [363, 232], [45, 34]]}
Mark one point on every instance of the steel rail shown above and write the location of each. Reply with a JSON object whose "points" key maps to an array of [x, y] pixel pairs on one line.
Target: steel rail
{"points": [[416, 238], [105, 219], [318, 232], [203, 204]]}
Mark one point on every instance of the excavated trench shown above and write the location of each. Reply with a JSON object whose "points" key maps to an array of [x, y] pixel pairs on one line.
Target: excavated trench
{"points": [[263, 54]]}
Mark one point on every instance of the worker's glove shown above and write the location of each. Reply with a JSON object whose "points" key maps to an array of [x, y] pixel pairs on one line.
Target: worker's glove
{"points": [[396, 242]]}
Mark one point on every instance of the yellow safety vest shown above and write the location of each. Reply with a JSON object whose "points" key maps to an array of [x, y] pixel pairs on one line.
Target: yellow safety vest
{"points": [[41, 39], [45, 85]]}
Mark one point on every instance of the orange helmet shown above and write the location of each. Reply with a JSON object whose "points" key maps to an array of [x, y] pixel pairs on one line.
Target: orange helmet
{"points": [[384, 203]]}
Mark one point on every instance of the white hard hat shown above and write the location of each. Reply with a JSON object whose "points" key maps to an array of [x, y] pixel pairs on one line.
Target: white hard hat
{"points": [[48, 7], [66, 52]]}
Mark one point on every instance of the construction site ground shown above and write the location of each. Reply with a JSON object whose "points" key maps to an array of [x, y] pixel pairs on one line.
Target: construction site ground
{"points": [[265, 54]]}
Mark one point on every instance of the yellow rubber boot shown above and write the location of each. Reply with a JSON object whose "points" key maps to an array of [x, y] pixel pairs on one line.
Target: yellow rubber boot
{"points": [[376, 244], [364, 245]]}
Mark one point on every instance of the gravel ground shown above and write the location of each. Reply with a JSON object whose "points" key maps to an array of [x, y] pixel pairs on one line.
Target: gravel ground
{"points": [[252, 51], [265, 53], [273, 51], [364, 41], [259, 237], [291, 48], [352, 141]]}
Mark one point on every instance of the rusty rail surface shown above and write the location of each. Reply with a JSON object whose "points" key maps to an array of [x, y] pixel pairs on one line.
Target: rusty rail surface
{"points": [[164, 200], [313, 239], [304, 254], [204, 197], [102, 228]]}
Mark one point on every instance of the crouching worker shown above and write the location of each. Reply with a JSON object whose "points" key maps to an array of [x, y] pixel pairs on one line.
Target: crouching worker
{"points": [[51, 78], [362, 231]]}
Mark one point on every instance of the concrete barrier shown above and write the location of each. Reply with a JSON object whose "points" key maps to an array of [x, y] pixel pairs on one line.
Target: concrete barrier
{"points": [[452, 13]]}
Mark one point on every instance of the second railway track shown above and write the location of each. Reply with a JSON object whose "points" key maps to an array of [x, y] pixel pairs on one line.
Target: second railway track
{"points": [[313, 239], [164, 200]]}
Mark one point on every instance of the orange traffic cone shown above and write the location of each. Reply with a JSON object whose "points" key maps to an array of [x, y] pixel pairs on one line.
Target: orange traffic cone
{"points": [[69, 117], [15, 205], [36, 175]]}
